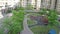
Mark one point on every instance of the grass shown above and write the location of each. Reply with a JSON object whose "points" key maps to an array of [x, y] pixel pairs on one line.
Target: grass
{"points": [[31, 22], [38, 29], [43, 29]]}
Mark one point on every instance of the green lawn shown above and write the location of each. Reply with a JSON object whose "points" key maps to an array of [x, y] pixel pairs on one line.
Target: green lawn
{"points": [[38, 29], [31, 22], [43, 29]]}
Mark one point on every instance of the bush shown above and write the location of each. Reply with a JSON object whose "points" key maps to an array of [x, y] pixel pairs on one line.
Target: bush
{"points": [[52, 17], [15, 23], [19, 8], [29, 7]]}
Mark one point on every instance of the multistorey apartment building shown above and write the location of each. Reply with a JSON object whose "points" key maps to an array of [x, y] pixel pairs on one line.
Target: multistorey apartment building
{"points": [[7, 3], [34, 3], [51, 4], [48, 4], [58, 6]]}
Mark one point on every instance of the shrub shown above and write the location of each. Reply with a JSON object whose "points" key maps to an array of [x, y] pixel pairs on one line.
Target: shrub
{"points": [[15, 23], [19, 8], [52, 17], [29, 7]]}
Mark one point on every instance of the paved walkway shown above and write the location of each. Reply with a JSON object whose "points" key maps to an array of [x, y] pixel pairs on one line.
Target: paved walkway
{"points": [[32, 11], [1, 16], [59, 32], [26, 28]]}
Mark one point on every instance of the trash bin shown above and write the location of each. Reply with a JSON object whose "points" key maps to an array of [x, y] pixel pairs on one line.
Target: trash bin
{"points": [[52, 31]]}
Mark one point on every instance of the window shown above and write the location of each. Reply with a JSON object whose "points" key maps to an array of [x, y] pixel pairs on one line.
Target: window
{"points": [[55, 4]]}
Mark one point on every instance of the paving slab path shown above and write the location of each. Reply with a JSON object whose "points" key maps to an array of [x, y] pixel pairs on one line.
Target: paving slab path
{"points": [[59, 32], [26, 28]]}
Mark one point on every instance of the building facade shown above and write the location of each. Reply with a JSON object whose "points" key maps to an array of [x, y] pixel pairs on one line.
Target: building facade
{"points": [[58, 6], [48, 4], [51, 4], [35, 3], [10, 3]]}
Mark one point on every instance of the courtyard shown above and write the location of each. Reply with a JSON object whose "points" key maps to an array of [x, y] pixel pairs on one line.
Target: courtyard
{"points": [[28, 22]]}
